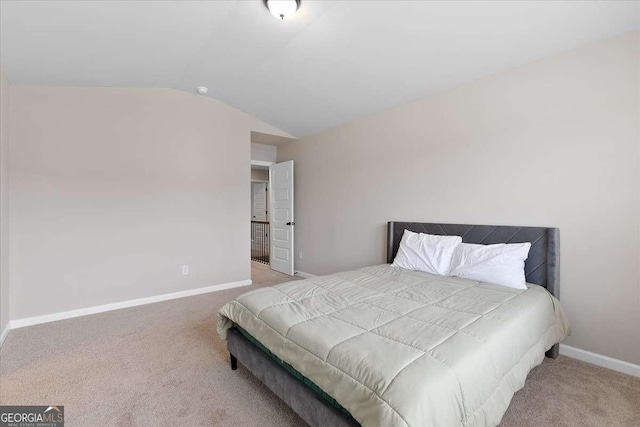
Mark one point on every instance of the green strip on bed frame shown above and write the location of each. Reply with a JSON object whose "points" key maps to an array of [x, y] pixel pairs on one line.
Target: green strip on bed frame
{"points": [[306, 381]]}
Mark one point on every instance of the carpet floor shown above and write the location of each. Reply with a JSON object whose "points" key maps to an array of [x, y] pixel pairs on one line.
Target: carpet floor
{"points": [[164, 365]]}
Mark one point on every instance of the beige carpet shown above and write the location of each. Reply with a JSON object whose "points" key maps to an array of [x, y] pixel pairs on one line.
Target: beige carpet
{"points": [[163, 365]]}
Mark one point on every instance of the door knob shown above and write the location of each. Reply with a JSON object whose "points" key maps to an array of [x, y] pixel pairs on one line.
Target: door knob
{"points": [[291, 223]]}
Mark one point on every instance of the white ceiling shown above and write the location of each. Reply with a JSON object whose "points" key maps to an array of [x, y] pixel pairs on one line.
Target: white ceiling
{"points": [[333, 62]]}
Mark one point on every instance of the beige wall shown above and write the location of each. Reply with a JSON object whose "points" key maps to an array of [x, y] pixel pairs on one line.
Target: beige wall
{"points": [[553, 143], [4, 202], [259, 175], [113, 190], [263, 153]]}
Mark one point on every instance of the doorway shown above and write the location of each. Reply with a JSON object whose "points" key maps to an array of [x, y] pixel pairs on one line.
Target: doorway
{"points": [[260, 244], [272, 233]]}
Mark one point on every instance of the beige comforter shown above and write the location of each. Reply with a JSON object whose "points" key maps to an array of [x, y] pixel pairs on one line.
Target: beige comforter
{"points": [[404, 348]]}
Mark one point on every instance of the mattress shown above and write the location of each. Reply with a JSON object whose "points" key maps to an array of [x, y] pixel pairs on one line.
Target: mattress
{"points": [[404, 348]]}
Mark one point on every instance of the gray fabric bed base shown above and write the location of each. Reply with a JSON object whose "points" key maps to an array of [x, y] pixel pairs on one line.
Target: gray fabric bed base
{"points": [[304, 401]]}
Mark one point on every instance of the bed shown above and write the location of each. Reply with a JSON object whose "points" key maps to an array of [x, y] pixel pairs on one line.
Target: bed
{"points": [[383, 346]]}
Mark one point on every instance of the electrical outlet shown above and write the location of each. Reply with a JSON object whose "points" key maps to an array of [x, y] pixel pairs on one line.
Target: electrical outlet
{"points": [[185, 270], [300, 255]]}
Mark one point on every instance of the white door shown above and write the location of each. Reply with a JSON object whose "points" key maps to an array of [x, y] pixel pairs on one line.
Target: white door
{"points": [[282, 219], [259, 201]]}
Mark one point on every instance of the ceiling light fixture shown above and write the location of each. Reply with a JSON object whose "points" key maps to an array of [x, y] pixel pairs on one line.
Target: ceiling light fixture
{"points": [[202, 89], [282, 9]]}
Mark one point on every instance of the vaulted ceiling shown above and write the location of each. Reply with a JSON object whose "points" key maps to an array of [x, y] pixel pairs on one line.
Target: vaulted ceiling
{"points": [[334, 61]]}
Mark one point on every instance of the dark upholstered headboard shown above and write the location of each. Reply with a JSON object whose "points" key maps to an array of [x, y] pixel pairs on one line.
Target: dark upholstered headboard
{"points": [[541, 268]]}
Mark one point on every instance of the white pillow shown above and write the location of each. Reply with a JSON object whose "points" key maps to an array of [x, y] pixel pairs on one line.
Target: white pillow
{"points": [[502, 264], [426, 252]]}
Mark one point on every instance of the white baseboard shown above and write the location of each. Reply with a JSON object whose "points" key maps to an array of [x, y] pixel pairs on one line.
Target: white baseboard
{"points": [[305, 275], [4, 333], [600, 360], [29, 321]]}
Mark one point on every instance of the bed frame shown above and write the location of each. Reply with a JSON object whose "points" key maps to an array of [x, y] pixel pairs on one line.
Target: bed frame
{"points": [[541, 268]]}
